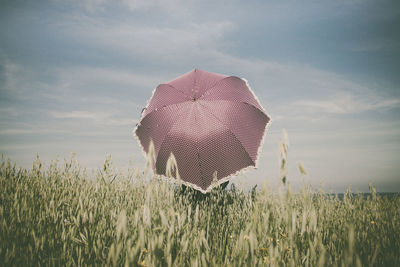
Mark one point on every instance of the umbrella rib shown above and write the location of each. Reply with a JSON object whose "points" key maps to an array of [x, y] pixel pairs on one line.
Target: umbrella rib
{"points": [[237, 139], [215, 84], [256, 108], [198, 155], [197, 150], [175, 89], [204, 93], [200, 168], [198, 158], [242, 102], [162, 108], [165, 136]]}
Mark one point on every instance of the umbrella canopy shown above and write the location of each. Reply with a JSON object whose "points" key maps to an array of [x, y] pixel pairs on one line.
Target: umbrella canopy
{"points": [[211, 123]]}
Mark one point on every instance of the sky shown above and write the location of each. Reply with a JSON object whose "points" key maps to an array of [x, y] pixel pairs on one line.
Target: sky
{"points": [[75, 75]]}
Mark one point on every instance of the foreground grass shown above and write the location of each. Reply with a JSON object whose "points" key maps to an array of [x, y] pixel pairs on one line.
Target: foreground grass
{"points": [[56, 216]]}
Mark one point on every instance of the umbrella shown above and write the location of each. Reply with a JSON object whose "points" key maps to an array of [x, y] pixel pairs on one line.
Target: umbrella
{"points": [[212, 125]]}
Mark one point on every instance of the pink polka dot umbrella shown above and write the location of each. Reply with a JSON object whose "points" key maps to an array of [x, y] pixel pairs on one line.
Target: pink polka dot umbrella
{"points": [[212, 126]]}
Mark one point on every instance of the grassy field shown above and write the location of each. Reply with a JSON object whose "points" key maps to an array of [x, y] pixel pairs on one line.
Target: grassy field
{"points": [[60, 215]]}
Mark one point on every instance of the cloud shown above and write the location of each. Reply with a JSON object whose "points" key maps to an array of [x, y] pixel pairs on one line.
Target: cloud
{"points": [[80, 76], [104, 118], [383, 44], [15, 131], [74, 115], [19, 82], [348, 103], [9, 112], [23, 87], [177, 47], [176, 5], [166, 43], [94, 6]]}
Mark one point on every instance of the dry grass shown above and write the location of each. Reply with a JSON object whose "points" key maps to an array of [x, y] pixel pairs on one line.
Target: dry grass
{"points": [[61, 216]]}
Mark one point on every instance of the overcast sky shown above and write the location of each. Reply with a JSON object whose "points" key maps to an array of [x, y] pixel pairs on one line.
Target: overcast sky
{"points": [[75, 75]]}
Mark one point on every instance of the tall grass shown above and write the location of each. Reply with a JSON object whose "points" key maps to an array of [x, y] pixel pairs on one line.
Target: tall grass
{"points": [[60, 216]]}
